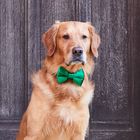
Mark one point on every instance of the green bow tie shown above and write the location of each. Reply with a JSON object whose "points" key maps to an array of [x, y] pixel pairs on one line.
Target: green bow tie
{"points": [[63, 75]]}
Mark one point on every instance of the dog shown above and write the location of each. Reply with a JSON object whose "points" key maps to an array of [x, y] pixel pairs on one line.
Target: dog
{"points": [[62, 90]]}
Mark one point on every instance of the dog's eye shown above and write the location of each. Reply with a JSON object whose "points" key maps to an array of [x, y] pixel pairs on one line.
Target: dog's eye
{"points": [[66, 36], [84, 36]]}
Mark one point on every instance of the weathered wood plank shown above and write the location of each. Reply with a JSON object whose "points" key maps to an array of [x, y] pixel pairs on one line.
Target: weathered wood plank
{"points": [[135, 38], [11, 59], [8, 135], [83, 10], [34, 40], [111, 75]]}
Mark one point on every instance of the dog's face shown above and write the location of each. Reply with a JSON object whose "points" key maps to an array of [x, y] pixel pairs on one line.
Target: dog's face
{"points": [[73, 40]]}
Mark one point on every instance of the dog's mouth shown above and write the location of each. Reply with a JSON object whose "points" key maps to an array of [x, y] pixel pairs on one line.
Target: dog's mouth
{"points": [[75, 61]]}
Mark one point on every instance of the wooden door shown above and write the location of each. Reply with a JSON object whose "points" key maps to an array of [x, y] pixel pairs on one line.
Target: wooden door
{"points": [[115, 110]]}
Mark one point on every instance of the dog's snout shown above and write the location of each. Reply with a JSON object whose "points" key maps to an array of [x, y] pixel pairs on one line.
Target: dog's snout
{"points": [[77, 51]]}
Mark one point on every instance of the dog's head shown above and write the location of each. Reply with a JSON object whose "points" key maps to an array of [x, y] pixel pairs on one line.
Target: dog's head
{"points": [[74, 41]]}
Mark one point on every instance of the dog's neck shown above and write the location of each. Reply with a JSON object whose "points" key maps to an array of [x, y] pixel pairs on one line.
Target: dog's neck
{"points": [[52, 65], [75, 92]]}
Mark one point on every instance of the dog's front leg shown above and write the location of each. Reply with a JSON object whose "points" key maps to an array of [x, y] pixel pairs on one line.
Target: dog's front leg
{"points": [[82, 126], [30, 138], [35, 117], [34, 138], [78, 137]]}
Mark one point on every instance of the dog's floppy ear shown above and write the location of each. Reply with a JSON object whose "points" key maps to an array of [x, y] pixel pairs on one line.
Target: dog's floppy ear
{"points": [[49, 39], [95, 40]]}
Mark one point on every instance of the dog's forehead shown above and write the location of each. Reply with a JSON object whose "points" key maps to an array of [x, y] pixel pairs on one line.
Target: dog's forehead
{"points": [[73, 27]]}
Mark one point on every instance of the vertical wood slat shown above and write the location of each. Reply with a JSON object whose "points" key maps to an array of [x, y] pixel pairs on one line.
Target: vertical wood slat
{"points": [[12, 66], [83, 10], [111, 72], [11, 59], [135, 24], [33, 40]]}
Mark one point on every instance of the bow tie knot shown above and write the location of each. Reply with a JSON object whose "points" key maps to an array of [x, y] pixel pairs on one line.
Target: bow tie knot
{"points": [[70, 76], [63, 75]]}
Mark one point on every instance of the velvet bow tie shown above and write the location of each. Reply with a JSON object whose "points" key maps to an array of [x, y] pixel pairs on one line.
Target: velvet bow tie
{"points": [[63, 75]]}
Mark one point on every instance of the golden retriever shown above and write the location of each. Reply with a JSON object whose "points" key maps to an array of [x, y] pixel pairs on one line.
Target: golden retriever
{"points": [[59, 111]]}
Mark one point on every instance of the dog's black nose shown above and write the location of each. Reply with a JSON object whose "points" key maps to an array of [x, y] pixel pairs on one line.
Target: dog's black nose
{"points": [[77, 51]]}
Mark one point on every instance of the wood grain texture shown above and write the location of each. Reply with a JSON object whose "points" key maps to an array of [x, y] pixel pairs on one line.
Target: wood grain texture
{"points": [[107, 135], [12, 66], [83, 10], [112, 74], [11, 59], [34, 40], [136, 64], [7, 135]]}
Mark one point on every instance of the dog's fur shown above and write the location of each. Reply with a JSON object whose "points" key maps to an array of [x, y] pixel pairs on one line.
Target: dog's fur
{"points": [[60, 111]]}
